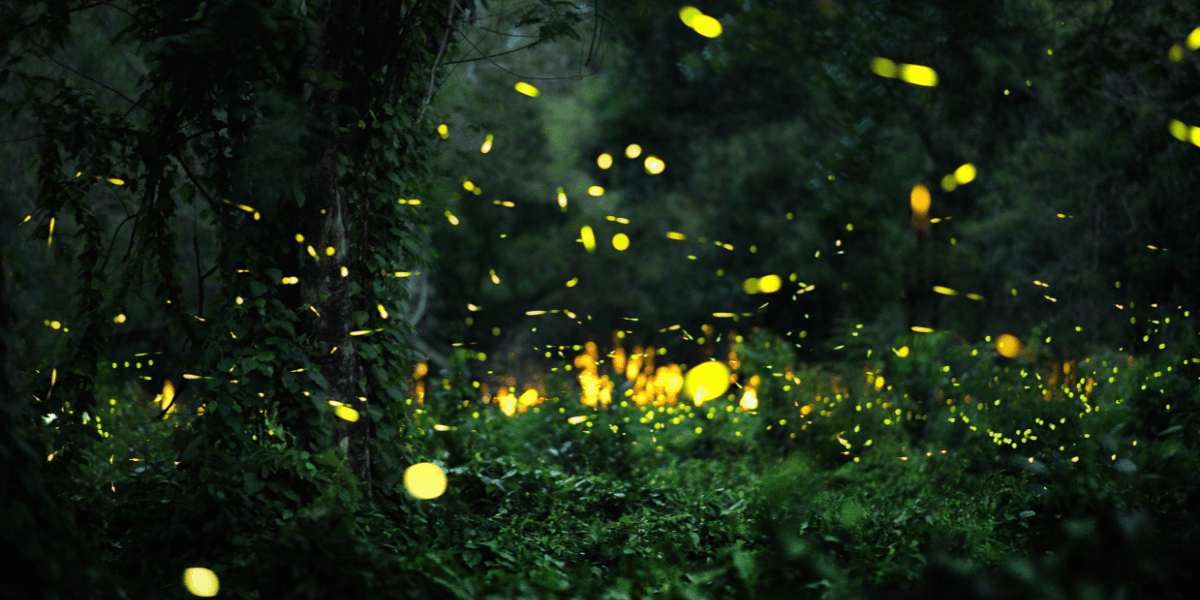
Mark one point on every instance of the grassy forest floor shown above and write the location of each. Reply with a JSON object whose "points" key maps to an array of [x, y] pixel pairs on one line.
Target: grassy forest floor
{"points": [[939, 470]]}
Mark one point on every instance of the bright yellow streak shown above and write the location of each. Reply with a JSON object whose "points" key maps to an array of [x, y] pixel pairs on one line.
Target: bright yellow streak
{"points": [[883, 67], [495, 278], [313, 253], [705, 382], [562, 198], [50, 238], [1178, 130], [440, 427], [577, 419], [918, 75], [450, 217], [920, 329], [383, 313], [604, 161], [527, 89], [1193, 39], [654, 165], [974, 297], [1008, 345], [425, 481], [589, 238], [115, 181], [769, 284], [620, 242], [201, 582], [750, 286], [487, 144], [920, 199], [346, 413], [534, 313], [119, 318], [706, 26], [965, 174], [572, 282], [595, 190], [168, 395], [687, 13], [633, 151], [675, 235], [945, 291]]}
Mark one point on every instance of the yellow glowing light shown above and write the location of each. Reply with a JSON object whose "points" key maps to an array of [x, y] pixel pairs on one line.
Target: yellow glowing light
{"points": [[706, 26], [769, 284], [425, 480], [346, 413], [1008, 345], [201, 582], [468, 185], [749, 400], [345, 272], [974, 297], [620, 242], [750, 286], [1178, 130], [705, 382], [119, 318], [450, 217], [654, 165], [440, 427], [444, 131], [577, 419], [312, 252], [633, 151], [168, 396], [902, 352], [604, 161], [945, 291], [595, 190], [383, 313], [589, 238], [675, 235], [239, 300], [687, 13], [883, 67], [918, 75], [919, 198], [879, 383], [949, 183], [920, 329], [50, 238], [1175, 53], [299, 237], [527, 89], [572, 282], [965, 174], [495, 277], [487, 144], [1194, 135], [562, 198], [1193, 39]]}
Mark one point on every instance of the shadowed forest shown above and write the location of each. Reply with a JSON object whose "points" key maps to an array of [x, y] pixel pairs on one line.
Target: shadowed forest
{"points": [[838, 299]]}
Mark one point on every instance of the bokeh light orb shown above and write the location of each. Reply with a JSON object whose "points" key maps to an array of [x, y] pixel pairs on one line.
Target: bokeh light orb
{"points": [[1008, 345], [201, 582], [706, 381], [425, 481]]}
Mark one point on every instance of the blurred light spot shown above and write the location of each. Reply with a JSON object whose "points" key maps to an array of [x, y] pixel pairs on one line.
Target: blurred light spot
{"points": [[920, 329], [919, 198], [769, 284], [705, 382], [654, 165], [487, 144], [450, 217], [562, 198], [604, 161], [902, 352], [918, 75], [675, 235], [1008, 345], [945, 291], [633, 151], [965, 174], [595, 190], [346, 413], [589, 238], [527, 89], [577, 419], [115, 181], [119, 318], [620, 241], [687, 13], [201, 582], [706, 26], [883, 67], [444, 131], [750, 286], [1193, 39], [1178, 130], [572, 282], [425, 480], [1175, 53]]}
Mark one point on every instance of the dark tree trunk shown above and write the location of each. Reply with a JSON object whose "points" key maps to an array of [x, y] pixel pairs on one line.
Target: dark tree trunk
{"points": [[323, 222]]}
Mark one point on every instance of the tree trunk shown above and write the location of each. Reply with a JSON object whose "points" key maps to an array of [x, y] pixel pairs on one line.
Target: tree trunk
{"points": [[325, 284]]}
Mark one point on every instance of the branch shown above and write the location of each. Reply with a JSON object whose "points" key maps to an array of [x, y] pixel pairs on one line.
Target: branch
{"points": [[455, 62], [497, 65], [437, 59], [103, 85]]}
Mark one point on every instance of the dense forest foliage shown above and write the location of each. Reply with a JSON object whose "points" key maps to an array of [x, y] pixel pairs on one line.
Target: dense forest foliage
{"points": [[564, 299]]}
